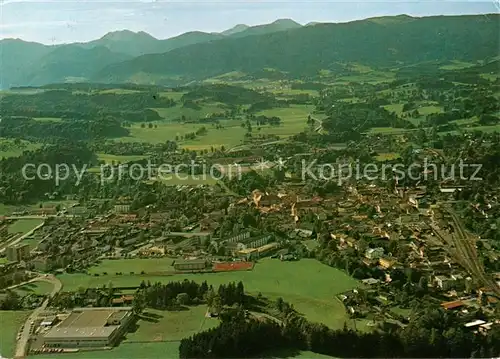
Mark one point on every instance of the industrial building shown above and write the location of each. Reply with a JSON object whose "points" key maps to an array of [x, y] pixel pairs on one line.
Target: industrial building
{"points": [[18, 252], [193, 264], [89, 328]]}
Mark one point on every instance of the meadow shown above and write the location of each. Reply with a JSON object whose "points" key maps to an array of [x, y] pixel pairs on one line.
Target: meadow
{"points": [[10, 149], [24, 225], [161, 326], [38, 288], [230, 135], [308, 284], [11, 322]]}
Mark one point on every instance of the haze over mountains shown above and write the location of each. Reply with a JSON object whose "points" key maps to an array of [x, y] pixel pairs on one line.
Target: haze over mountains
{"points": [[284, 45]]}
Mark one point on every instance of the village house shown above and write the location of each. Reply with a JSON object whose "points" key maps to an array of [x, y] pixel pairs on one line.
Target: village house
{"points": [[374, 253]]}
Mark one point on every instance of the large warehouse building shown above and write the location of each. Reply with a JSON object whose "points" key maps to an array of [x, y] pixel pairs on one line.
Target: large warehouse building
{"points": [[89, 327]]}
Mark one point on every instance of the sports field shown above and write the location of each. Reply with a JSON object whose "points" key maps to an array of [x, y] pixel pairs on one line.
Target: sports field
{"points": [[310, 285]]}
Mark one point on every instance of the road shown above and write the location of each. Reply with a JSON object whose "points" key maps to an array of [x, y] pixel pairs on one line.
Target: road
{"points": [[22, 343], [19, 239]]}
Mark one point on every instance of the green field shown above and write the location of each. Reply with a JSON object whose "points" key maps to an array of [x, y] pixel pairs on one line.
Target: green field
{"points": [[293, 120], [232, 134], [135, 265], [228, 136], [456, 65], [9, 149], [38, 288], [161, 326], [11, 322], [109, 159], [24, 225], [310, 285], [124, 350]]}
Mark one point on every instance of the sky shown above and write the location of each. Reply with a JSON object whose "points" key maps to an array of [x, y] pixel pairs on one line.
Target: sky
{"points": [[64, 21]]}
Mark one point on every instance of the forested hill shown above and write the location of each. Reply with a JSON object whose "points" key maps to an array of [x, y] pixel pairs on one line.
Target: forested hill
{"points": [[379, 42]]}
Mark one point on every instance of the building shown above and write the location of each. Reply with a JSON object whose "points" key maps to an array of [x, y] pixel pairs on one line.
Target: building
{"points": [[259, 241], [41, 264], [4, 230], [193, 264], [252, 253], [18, 252], [374, 253], [122, 208], [239, 237], [452, 305], [443, 282], [90, 328], [387, 263]]}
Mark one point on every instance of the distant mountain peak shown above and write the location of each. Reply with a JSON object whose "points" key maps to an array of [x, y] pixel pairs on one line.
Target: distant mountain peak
{"points": [[235, 29], [125, 35], [287, 22]]}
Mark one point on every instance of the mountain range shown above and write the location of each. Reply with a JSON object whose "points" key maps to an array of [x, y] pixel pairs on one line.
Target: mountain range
{"points": [[284, 45]]}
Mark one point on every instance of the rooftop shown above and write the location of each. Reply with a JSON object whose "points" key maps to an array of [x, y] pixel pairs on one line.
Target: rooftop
{"points": [[84, 332]]}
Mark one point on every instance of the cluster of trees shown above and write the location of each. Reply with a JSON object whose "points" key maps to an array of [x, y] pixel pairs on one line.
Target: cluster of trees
{"points": [[132, 148], [175, 294], [53, 131], [236, 337], [264, 120], [65, 103], [227, 94], [349, 121], [434, 333], [16, 189], [248, 182], [10, 301]]}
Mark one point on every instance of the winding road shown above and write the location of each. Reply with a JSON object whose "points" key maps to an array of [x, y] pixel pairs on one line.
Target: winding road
{"points": [[23, 342]]}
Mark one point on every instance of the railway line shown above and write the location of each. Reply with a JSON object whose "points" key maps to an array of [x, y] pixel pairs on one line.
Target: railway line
{"points": [[463, 249]]}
